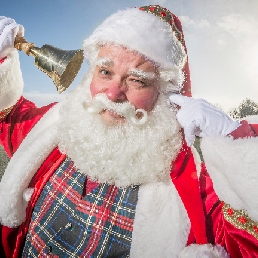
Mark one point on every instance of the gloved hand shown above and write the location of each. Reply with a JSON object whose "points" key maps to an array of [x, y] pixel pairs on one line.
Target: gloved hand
{"points": [[200, 118], [9, 29]]}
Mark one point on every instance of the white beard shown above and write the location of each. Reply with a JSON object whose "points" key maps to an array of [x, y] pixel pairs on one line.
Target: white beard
{"points": [[124, 154]]}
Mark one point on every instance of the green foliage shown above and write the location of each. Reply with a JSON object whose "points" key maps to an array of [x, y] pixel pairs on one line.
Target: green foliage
{"points": [[246, 108], [3, 161], [197, 146]]}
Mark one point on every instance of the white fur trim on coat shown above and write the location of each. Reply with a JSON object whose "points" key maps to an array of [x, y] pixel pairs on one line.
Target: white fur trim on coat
{"points": [[139, 31], [161, 225], [204, 251], [11, 82], [233, 167]]}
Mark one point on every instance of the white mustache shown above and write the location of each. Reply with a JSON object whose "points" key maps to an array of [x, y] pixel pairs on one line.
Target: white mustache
{"points": [[101, 102]]}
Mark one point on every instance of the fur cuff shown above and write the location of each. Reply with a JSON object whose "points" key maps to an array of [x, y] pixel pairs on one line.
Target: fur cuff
{"points": [[11, 82], [208, 250]]}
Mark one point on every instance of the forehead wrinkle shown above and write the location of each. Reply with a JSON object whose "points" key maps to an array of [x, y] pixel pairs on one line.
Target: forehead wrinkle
{"points": [[104, 61], [141, 73]]}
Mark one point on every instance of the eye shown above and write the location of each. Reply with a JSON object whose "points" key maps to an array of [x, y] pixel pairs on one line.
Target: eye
{"points": [[104, 71], [136, 82]]}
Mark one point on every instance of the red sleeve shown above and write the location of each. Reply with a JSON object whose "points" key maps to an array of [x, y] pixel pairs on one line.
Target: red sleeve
{"points": [[17, 124], [255, 128], [210, 201], [184, 177], [245, 130], [237, 242]]}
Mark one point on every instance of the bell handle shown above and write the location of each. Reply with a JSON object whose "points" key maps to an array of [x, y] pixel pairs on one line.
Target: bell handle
{"points": [[22, 44]]}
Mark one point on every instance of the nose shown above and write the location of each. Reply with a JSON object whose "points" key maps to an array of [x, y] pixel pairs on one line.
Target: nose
{"points": [[116, 92]]}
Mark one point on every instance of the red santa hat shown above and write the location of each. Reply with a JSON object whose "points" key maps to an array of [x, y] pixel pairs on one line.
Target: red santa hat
{"points": [[150, 30]]}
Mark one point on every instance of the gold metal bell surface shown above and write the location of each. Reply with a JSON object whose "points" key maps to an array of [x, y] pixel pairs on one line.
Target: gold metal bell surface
{"points": [[60, 65]]}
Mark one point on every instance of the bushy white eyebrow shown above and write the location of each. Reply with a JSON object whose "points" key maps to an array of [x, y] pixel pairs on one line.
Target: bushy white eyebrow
{"points": [[104, 61], [142, 74]]}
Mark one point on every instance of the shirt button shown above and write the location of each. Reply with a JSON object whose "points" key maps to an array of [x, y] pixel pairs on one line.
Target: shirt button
{"points": [[48, 249]]}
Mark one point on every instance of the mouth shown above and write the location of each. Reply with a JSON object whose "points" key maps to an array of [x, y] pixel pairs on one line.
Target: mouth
{"points": [[111, 114]]}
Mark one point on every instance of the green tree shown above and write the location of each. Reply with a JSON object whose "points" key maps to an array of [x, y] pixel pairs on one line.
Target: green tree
{"points": [[246, 108]]}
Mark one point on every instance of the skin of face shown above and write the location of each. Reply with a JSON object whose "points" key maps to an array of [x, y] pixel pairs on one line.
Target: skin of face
{"points": [[124, 75]]}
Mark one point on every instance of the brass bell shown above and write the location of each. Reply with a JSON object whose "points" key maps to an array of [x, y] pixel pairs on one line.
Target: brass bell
{"points": [[60, 65]]}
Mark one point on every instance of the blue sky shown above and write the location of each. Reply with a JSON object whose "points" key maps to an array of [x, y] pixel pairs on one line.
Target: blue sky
{"points": [[221, 37]]}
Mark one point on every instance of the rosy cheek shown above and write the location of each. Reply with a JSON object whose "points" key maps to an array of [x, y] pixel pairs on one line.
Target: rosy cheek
{"points": [[94, 90], [145, 101]]}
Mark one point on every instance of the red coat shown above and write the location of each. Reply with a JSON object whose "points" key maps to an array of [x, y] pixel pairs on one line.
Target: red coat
{"points": [[208, 224]]}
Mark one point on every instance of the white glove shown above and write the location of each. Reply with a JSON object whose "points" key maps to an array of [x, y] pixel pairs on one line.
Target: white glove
{"points": [[200, 118], [9, 29]]}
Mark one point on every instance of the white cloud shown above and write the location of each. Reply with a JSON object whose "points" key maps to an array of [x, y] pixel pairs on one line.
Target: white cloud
{"points": [[159, 2], [203, 24], [189, 23], [163, 3], [221, 42], [42, 99], [240, 31], [239, 26], [186, 21]]}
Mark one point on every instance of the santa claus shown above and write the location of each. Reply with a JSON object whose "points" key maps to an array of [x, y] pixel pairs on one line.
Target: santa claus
{"points": [[108, 172]]}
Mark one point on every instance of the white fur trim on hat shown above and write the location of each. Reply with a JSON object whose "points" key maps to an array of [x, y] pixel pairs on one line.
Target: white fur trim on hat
{"points": [[11, 82], [208, 251], [139, 31]]}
